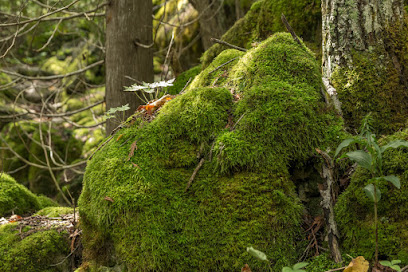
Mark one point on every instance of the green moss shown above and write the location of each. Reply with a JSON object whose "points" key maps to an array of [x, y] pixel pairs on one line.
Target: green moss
{"points": [[323, 262], [250, 131], [217, 72], [15, 198], [377, 83], [36, 252], [183, 78], [354, 211], [55, 211], [264, 19], [46, 202]]}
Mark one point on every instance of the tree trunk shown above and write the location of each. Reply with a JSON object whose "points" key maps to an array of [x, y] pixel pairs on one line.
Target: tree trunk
{"points": [[212, 20], [127, 21], [355, 25], [365, 59]]}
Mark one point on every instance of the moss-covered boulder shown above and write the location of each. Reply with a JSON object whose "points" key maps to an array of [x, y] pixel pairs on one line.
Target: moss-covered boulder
{"points": [[263, 116], [42, 251], [15, 198], [355, 212], [264, 19]]}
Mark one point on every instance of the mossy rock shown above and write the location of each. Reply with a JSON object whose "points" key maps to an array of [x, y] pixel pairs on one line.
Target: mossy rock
{"points": [[39, 252], [377, 82], [355, 212], [264, 117], [15, 198], [264, 19]]}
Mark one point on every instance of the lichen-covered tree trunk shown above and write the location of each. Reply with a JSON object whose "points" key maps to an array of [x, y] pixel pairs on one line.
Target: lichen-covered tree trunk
{"points": [[365, 49], [355, 25], [127, 22]]}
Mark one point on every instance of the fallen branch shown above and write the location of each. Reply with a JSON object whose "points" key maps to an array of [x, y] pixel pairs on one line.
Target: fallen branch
{"points": [[290, 29], [200, 164], [228, 44], [327, 203]]}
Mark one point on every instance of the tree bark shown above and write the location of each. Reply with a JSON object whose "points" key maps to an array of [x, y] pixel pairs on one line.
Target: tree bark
{"points": [[354, 25], [127, 22], [212, 20]]}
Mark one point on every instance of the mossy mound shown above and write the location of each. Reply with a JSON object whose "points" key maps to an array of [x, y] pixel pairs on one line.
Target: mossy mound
{"points": [[264, 19], [377, 82], [355, 212], [15, 197], [265, 116], [39, 252]]}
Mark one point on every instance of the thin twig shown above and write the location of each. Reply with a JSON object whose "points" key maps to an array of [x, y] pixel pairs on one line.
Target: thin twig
{"points": [[185, 86], [228, 44], [194, 174], [290, 29], [222, 65], [51, 37], [337, 269]]}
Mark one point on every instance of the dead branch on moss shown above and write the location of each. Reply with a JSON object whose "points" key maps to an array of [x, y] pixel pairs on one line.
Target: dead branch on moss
{"points": [[222, 65], [228, 44], [200, 164], [290, 29]]}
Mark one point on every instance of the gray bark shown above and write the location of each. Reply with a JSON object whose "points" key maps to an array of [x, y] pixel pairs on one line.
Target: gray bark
{"points": [[127, 21], [354, 24], [212, 20]]}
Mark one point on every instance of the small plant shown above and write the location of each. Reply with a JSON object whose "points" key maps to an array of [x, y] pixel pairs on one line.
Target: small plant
{"points": [[296, 268], [152, 90], [371, 158], [259, 255], [393, 264], [111, 113]]}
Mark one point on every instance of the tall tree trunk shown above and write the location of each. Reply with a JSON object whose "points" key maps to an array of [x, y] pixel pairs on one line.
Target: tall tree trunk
{"points": [[365, 59], [355, 25], [127, 21], [212, 20]]}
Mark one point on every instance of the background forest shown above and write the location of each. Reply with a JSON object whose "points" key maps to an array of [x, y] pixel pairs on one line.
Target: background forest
{"points": [[238, 153]]}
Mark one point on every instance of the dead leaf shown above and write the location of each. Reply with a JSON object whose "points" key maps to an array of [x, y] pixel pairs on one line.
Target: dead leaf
{"points": [[119, 137], [358, 264], [107, 198], [133, 147], [246, 268], [14, 218]]}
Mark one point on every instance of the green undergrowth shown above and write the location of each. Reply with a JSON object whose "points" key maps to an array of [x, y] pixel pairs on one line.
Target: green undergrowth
{"points": [[355, 215], [377, 83], [55, 211], [263, 117], [41, 251], [264, 19]]}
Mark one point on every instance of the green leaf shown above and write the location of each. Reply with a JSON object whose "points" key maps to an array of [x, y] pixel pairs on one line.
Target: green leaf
{"points": [[394, 180], [257, 254], [344, 144], [362, 158], [395, 262], [396, 267], [287, 269], [386, 263], [369, 190], [394, 144], [300, 265]]}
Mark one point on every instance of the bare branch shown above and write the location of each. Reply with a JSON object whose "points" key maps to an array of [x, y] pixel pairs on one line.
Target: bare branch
{"points": [[228, 44], [40, 17], [56, 76], [50, 38]]}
